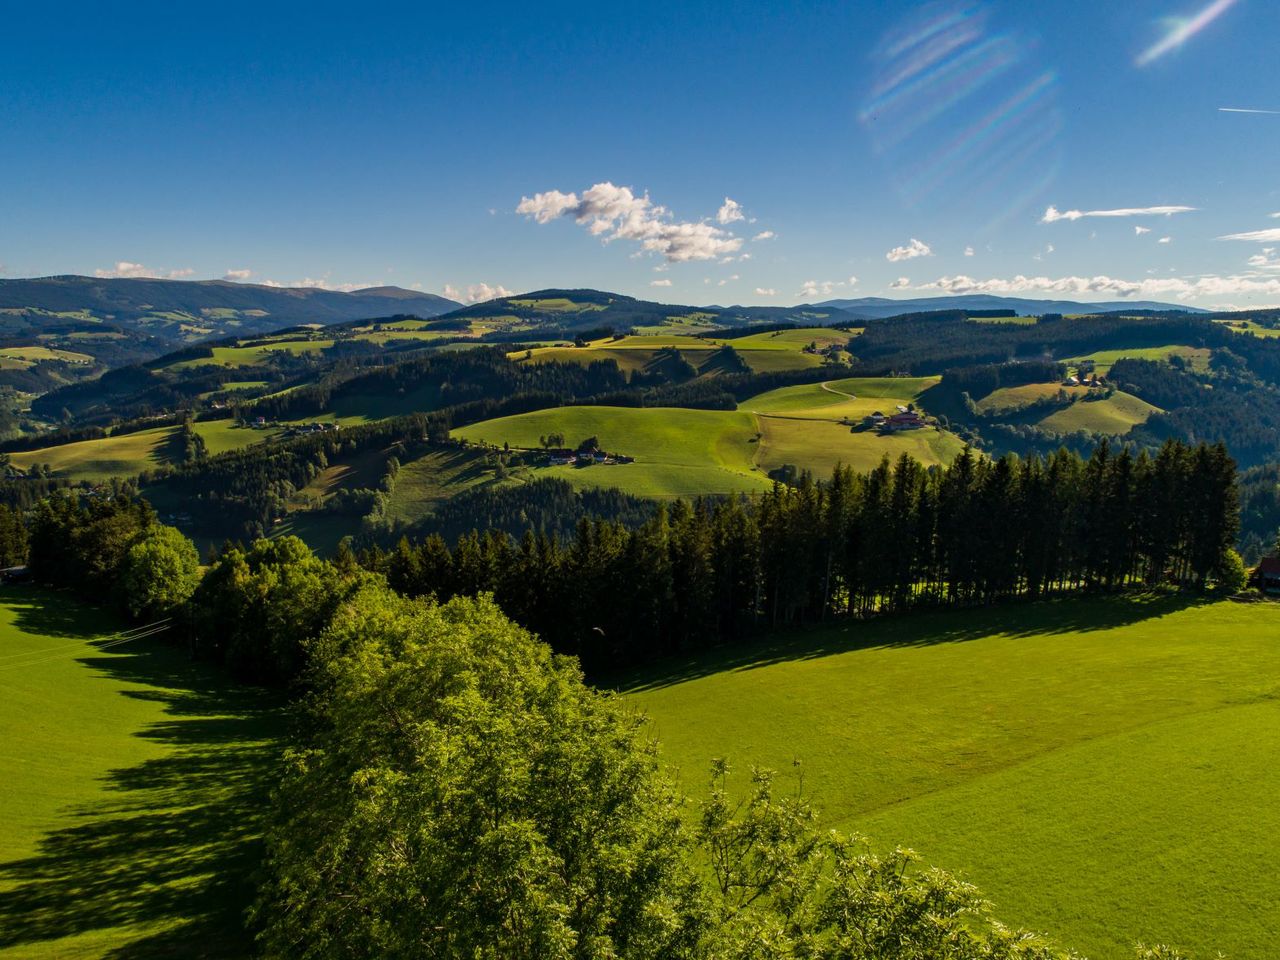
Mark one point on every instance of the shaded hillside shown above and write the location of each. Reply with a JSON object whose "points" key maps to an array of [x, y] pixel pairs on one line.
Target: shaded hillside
{"points": [[183, 311], [881, 307]]}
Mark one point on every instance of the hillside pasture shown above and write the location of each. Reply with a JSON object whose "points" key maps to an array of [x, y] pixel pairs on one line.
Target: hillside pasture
{"points": [[241, 356], [1198, 357], [678, 452], [429, 480], [123, 456], [135, 783], [763, 353], [1100, 768], [1007, 400], [1115, 415]]}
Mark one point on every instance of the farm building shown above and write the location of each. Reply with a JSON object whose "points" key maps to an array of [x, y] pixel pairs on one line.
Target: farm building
{"points": [[1267, 576], [907, 418]]}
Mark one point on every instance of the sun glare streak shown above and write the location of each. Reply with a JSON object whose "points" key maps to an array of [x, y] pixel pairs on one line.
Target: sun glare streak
{"points": [[963, 114], [1270, 113], [1184, 30]]}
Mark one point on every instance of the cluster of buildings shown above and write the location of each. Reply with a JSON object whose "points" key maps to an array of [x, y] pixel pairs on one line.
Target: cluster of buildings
{"points": [[1084, 380], [568, 458], [907, 418], [297, 429]]}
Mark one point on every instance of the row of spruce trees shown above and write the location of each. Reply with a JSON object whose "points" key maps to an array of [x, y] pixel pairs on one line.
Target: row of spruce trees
{"points": [[902, 536]]}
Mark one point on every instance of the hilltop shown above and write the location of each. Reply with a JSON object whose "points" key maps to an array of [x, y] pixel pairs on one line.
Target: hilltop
{"points": [[877, 308], [184, 311]]}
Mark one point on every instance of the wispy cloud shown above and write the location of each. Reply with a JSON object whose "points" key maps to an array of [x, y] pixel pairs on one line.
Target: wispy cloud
{"points": [[1266, 260], [1139, 231], [766, 292], [1181, 29], [915, 248], [475, 293], [239, 276], [1182, 288], [659, 283], [617, 213], [1271, 235], [730, 212], [1165, 240], [902, 283], [1053, 214], [1270, 113], [968, 251], [764, 235]]}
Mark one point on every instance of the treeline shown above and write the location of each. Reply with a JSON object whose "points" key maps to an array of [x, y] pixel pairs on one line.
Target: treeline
{"points": [[933, 343], [897, 538], [447, 379], [1230, 408]]}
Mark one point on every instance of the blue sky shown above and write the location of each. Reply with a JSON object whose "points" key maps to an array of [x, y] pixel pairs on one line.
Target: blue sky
{"points": [[875, 149]]}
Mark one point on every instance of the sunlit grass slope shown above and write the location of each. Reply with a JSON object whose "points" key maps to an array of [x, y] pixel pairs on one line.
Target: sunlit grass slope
{"points": [[678, 452], [805, 425], [1117, 414], [134, 782], [1101, 768]]}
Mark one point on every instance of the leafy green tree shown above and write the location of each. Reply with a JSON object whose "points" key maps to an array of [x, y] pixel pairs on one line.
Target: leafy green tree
{"points": [[160, 572], [466, 795]]}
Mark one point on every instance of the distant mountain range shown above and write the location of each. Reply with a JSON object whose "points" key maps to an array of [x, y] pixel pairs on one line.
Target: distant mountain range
{"points": [[876, 308], [183, 311]]}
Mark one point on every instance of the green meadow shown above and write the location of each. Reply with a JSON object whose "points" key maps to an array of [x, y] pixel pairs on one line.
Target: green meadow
{"points": [[1103, 769], [678, 452], [134, 786], [1198, 357], [1117, 415], [682, 452]]}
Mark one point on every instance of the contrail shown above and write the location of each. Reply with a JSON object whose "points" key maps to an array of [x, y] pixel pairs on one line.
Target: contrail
{"points": [[1274, 113]]}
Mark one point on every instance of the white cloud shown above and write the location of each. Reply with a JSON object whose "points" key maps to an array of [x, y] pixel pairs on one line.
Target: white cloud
{"points": [[1053, 214], [902, 283], [729, 279], [616, 213], [912, 250], [475, 293], [1259, 236], [1275, 216], [730, 211], [968, 251], [1165, 240], [766, 292], [813, 288], [764, 235], [128, 270], [1266, 260], [1183, 288], [239, 276], [659, 283], [1139, 231]]}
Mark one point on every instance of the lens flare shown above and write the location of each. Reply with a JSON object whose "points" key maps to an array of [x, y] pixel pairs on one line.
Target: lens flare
{"points": [[964, 115], [1180, 31]]}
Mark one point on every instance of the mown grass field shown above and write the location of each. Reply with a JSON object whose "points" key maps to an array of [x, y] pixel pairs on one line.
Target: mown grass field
{"points": [[806, 425], [129, 454], [678, 452], [1198, 357], [688, 452], [134, 783], [1117, 414], [426, 482], [764, 353], [1102, 769]]}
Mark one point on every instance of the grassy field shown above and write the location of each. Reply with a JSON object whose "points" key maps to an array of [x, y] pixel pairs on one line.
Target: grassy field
{"points": [[805, 425], [134, 781], [122, 456], [764, 353], [678, 452], [1102, 768], [1117, 414], [688, 452], [129, 454], [1198, 357], [425, 483], [1008, 400], [250, 356]]}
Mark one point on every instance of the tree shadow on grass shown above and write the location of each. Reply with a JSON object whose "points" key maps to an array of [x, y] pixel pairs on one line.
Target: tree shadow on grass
{"points": [[170, 850], [1020, 619]]}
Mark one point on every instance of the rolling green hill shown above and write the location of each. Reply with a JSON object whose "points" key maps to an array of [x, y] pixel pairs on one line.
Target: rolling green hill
{"points": [[1100, 768], [134, 783]]}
